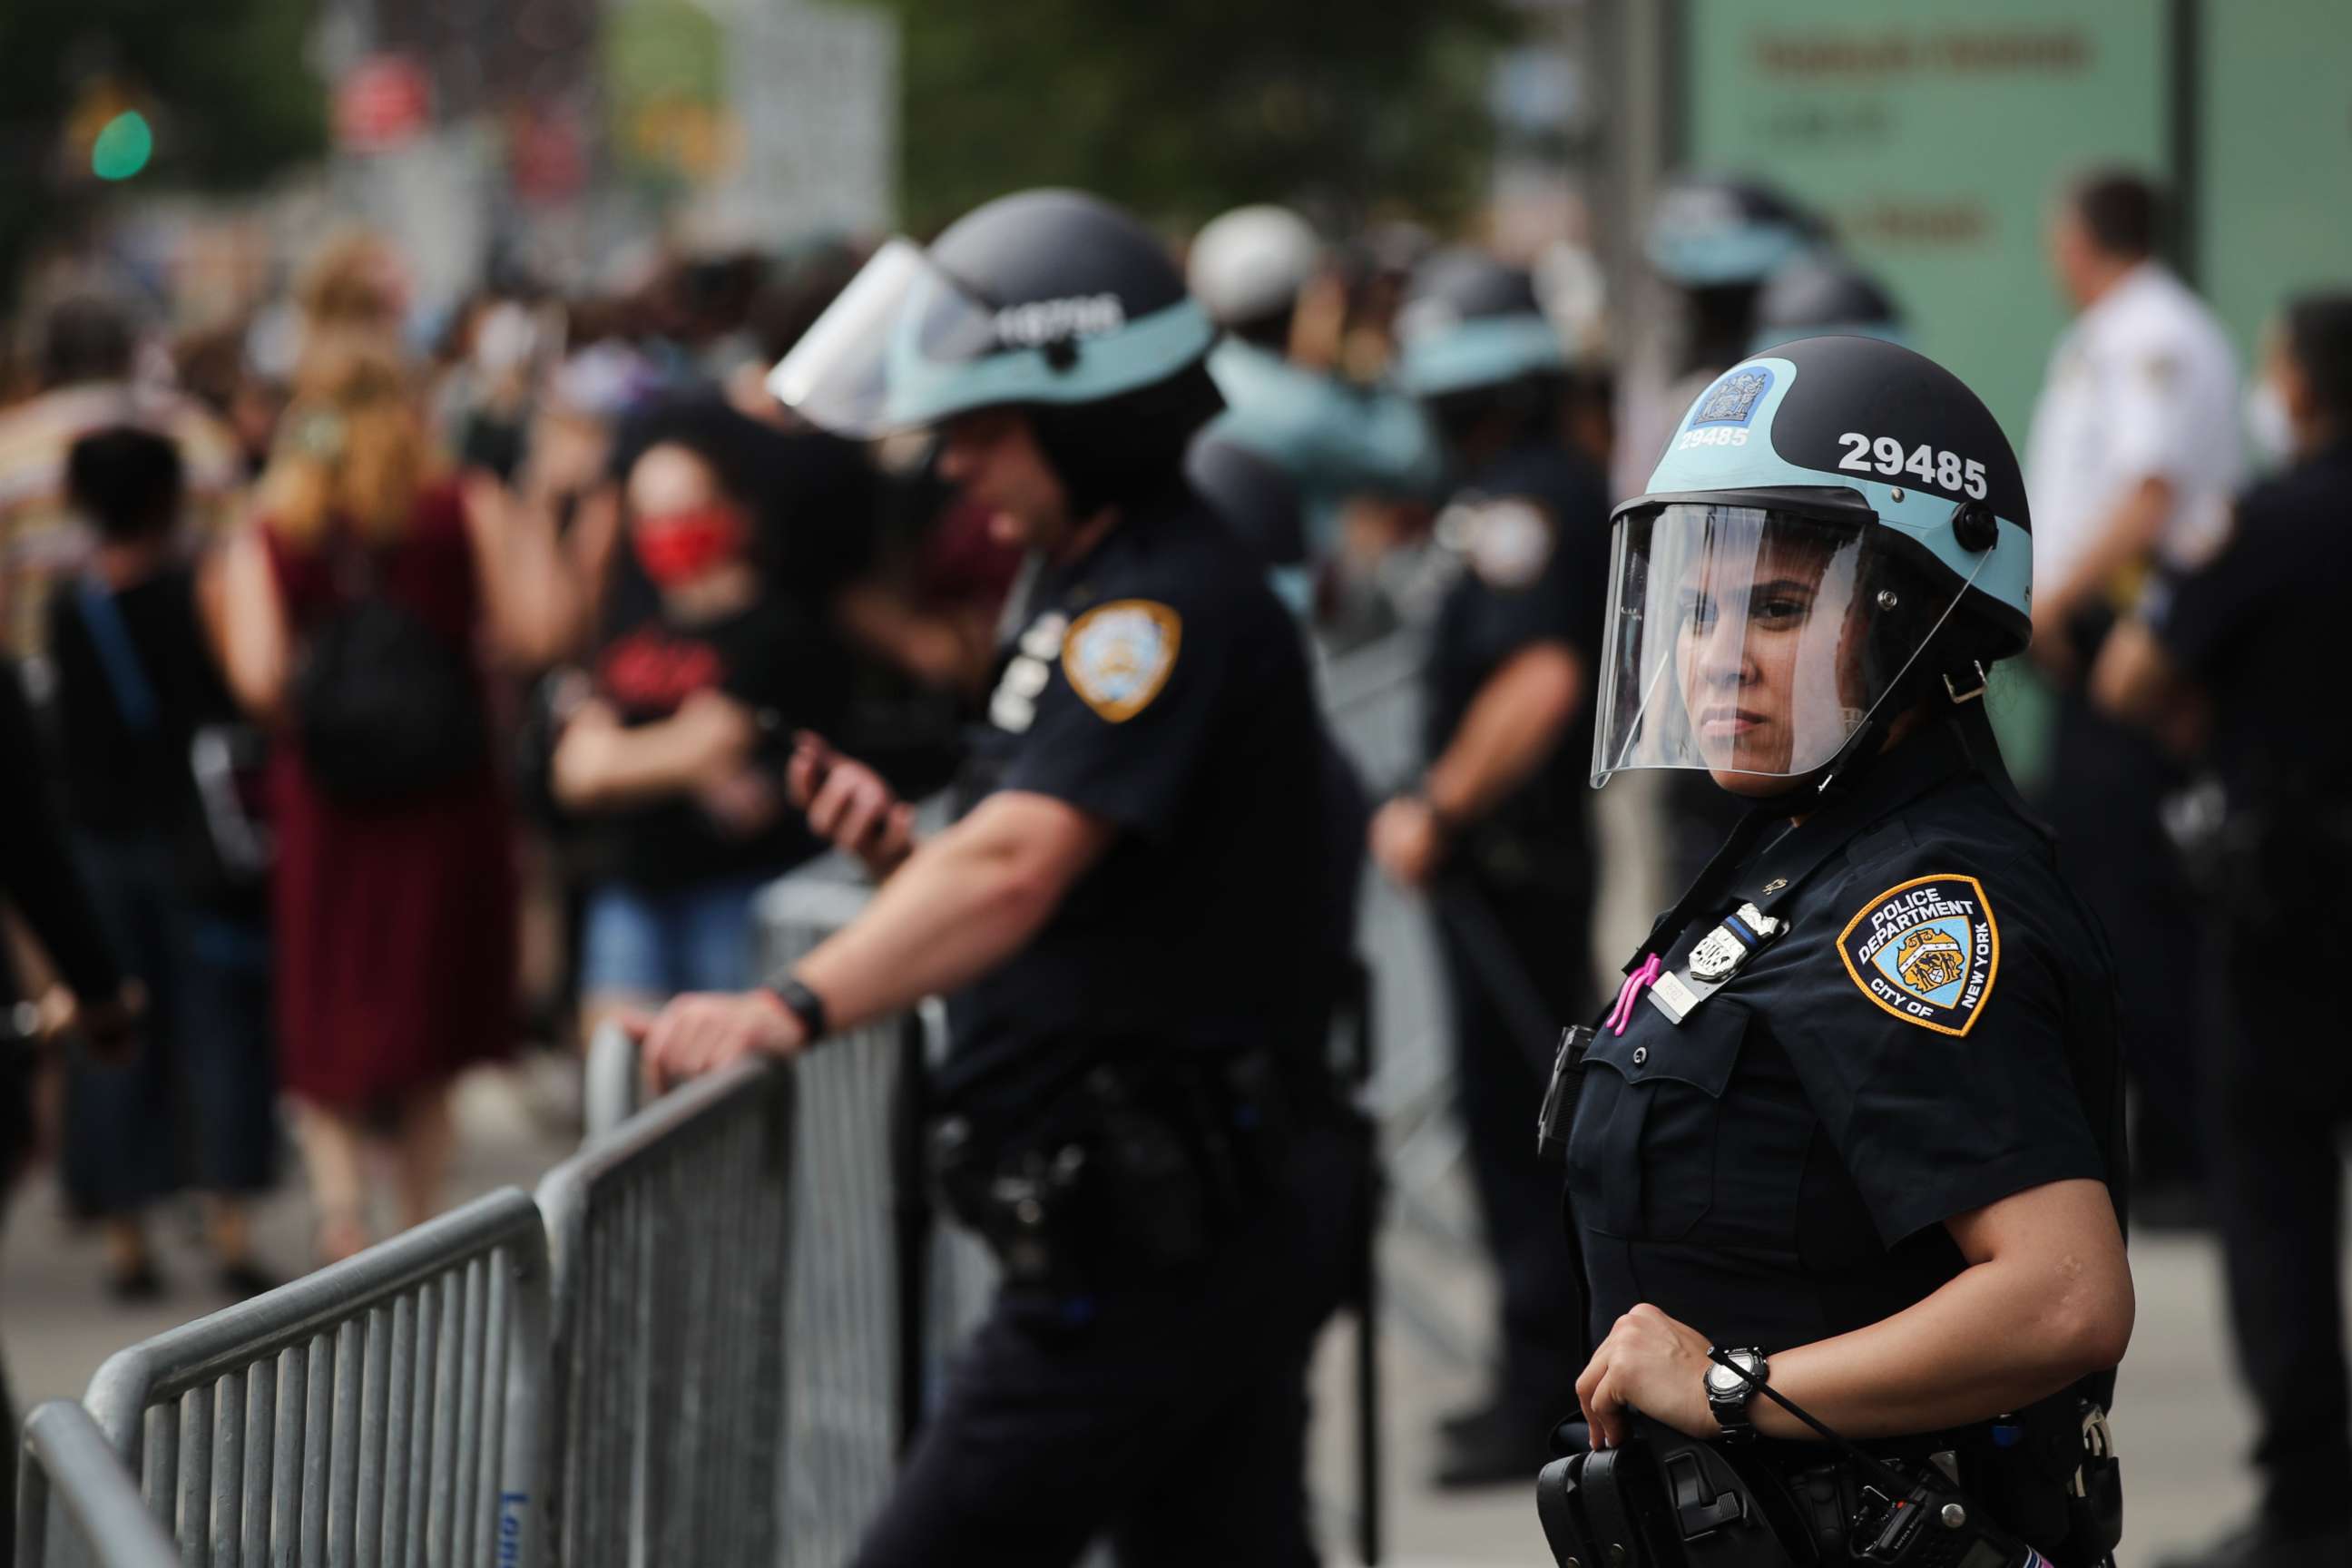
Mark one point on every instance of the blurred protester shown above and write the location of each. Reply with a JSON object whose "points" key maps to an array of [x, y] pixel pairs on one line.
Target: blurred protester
{"points": [[102, 1010], [137, 687], [85, 362], [1336, 441], [352, 611], [709, 663], [1714, 243], [2133, 453], [1822, 294], [358, 284], [2229, 638], [1498, 827]]}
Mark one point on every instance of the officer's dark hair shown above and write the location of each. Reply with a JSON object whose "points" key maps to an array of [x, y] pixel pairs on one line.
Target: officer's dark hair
{"points": [[1124, 449], [2121, 211], [1504, 415], [2318, 329], [128, 481], [85, 338], [1270, 332]]}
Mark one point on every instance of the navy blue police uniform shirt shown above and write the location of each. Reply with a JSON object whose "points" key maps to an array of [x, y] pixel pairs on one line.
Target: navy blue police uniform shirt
{"points": [[1533, 530], [2243, 627], [1778, 1168], [1158, 684]]}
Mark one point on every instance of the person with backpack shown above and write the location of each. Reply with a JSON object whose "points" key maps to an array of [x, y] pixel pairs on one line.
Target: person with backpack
{"points": [[358, 609], [147, 727]]}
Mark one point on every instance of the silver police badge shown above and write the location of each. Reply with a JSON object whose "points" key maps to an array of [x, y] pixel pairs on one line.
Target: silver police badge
{"points": [[1716, 955]]}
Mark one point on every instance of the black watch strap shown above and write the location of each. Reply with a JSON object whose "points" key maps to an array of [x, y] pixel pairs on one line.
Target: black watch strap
{"points": [[803, 1004]]}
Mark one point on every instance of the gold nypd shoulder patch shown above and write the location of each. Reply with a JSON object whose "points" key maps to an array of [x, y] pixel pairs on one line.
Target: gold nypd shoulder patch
{"points": [[1926, 950], [1118, 655]]}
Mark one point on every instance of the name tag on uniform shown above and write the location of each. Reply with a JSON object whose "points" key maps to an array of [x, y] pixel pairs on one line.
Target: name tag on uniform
{"points": [[1713, 963]]}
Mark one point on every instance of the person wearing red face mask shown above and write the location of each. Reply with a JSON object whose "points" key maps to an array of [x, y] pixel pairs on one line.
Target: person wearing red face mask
{"points": [[707, 667]]}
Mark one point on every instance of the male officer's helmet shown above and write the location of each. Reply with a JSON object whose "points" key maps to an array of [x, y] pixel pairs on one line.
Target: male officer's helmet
{"points": [[1249, 264], [1046, 299], [1470, 322], [1834, 523], [1710, 233], [1822, 294]]}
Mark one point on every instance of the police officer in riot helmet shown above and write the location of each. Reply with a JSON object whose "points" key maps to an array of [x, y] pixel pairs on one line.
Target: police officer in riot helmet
{"points": [[1850, 1135], [1134, 1112], [1497, 828], [1822, 294]]}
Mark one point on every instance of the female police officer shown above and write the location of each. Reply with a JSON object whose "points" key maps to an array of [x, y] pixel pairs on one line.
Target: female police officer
{"points": [[1134, 921], [1851, 1119]]}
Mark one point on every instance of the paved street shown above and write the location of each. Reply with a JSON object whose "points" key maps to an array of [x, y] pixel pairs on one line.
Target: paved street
{"points": [[2181, 1421]]}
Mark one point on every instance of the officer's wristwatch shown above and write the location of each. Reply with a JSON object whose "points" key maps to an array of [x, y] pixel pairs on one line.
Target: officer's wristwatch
{"points": [[1729, 1395]]}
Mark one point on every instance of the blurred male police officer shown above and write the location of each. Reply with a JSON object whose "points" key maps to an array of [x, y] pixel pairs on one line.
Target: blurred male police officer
{"points": [[1498, 823], [2248, 630], [1127, 919], [2131, 460], [1337, 442]]}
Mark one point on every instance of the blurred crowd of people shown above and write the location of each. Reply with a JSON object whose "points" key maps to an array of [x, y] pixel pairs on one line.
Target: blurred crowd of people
{"points": [[404, 701]]}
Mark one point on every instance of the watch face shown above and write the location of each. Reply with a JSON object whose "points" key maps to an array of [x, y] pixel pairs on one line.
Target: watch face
{"points": [[1722, 1380]]}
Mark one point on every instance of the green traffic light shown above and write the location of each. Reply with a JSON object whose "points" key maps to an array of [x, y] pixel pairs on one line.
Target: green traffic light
{"points": [[122, 148]]}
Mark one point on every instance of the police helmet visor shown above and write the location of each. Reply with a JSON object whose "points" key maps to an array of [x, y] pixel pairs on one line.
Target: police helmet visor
{"points": [[857, 371], [1748, 639]]}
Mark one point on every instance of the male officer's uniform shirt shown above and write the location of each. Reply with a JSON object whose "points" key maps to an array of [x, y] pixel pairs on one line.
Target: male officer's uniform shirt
{"points": [[1533, 533], [2142, 385], [2255, 627], [1158, 684], [1777, 1168]]}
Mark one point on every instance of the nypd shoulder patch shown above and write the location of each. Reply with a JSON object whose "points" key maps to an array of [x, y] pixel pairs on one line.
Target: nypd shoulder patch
{"points": [[1509, 542], [1118, 655], [1926, 950]]}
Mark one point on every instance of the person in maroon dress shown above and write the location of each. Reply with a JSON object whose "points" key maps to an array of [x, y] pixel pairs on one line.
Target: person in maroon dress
{"points": [[395, 920]]}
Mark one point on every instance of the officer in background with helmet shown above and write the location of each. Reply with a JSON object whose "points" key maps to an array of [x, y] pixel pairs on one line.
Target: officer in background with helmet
{"points": [[2232, 644], [1137, 1113], [1822, 295], [1249, 269], [1497, 828], [1854, 1126]]}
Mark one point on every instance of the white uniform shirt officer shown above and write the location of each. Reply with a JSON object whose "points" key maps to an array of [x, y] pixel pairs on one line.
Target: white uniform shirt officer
{"points": [[2143, 385]]}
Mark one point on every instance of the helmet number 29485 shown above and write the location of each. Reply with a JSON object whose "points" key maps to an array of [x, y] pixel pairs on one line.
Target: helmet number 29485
{"points": [[1884, 455]]}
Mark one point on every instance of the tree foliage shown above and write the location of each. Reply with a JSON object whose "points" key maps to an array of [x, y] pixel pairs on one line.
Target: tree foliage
{"points": [[225, 83], [1183, 110]]}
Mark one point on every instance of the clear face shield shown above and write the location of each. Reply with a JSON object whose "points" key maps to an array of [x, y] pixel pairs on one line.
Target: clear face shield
{"points": [[874, 361], [1752, 643]]}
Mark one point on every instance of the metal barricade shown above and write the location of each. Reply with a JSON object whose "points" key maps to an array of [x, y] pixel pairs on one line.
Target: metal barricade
{"points": [[863, 1252], [76, 1507], [667, 1241], [386, 1409]]}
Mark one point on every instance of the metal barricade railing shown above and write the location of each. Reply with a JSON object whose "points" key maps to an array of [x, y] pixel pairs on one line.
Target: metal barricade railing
{"points": [[385, 1410], [863, 1254], [668, 1238], [76, 1505]]}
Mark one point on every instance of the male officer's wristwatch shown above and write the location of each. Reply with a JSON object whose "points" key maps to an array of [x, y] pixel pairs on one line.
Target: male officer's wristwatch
{"points": [[1729, 1395]]}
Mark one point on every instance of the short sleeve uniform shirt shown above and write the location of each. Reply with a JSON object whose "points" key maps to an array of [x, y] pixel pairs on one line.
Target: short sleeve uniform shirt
{"points": [[1158, 684], [1777, 1168]]}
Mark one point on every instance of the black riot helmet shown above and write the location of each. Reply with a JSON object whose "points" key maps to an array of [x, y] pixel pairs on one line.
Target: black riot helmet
{"points": [[1837, 524], [1475, 345], [1708, 232], [1824, 295], [1052, 302]]}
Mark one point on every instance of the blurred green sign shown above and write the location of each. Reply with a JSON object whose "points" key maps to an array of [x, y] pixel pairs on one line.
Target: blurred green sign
{"points": [[1932, 134], [2274, 181]]}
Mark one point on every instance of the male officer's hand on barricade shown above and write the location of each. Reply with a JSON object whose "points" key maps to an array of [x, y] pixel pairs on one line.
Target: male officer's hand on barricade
{"points": [[849, 805], [704, 1031]]}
